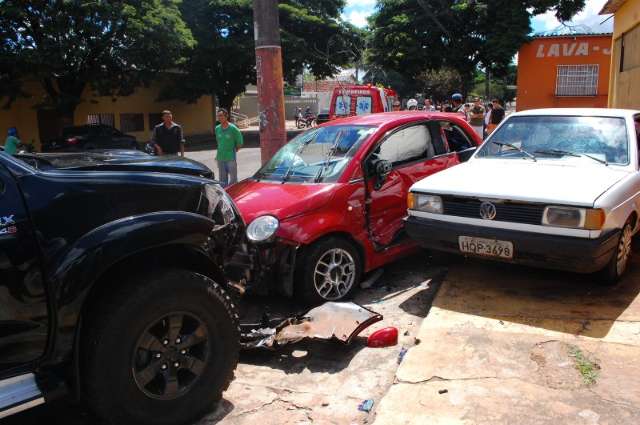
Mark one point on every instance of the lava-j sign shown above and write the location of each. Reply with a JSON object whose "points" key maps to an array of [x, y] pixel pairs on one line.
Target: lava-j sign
{"points": [[570, 49]]}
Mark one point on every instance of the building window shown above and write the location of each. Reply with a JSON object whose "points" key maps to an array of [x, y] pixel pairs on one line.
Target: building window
{"points": [[131, 122], [154, 119], [577, 80], [106, 119]]}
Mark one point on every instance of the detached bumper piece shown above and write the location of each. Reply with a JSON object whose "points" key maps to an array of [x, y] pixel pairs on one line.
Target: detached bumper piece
{"points": [[532, 249], [330, 321]]}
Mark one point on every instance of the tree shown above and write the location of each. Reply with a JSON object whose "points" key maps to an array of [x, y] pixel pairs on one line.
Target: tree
{"points": [[440, 84], [110, 46], [314, 38], [410, 36]]}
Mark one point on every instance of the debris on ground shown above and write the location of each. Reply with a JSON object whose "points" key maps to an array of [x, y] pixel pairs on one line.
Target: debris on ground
{"points": [[387, 337], [372, 279], [366, 406], [401, 355], [333, 320], [443, 391]]}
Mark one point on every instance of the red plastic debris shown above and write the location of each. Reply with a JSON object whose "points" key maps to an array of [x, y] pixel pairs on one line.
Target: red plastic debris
{"points": [[387, 337]]}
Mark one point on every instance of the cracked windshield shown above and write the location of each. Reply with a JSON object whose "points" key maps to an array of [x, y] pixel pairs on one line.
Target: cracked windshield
{"points": [[604, 139], [319, 155]]}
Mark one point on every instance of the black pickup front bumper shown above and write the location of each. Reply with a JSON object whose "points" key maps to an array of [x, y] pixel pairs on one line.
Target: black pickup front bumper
{"points": [[532, 249]]}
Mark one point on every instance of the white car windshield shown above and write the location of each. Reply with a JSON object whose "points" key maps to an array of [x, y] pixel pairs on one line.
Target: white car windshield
{"points": [[602, 139], [317, 155]]}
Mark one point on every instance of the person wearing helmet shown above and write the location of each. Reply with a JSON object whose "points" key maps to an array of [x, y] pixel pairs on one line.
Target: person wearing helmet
{"points": [[412, 104], [12, 141], [458, 105]]}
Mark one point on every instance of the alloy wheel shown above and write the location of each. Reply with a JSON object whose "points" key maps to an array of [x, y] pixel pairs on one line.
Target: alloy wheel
{"points": [[334, 274], [624, 250], [170, 356]]}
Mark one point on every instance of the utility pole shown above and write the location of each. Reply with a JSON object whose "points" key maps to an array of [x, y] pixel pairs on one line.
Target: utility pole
{"points": [[269, 77]]}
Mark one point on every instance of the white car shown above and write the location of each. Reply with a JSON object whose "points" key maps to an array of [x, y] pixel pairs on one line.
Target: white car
{"points": [[557, 188]]}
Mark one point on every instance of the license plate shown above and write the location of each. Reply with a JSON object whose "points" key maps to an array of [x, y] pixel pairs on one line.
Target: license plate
{"points": [[486, 247]]}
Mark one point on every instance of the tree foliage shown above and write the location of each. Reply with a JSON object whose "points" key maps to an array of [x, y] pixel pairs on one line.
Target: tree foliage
{"points": [[440, 83], [66, 45], [313, 36], [412, 36]]}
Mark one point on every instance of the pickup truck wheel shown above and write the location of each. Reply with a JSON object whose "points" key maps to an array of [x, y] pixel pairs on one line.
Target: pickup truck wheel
{"points": [[619, 262], [331, 271], [161, 350]]}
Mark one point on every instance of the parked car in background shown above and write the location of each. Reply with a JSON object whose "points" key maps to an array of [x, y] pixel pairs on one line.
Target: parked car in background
{"points": [[113, 287], [330, 205], [557, 188], [90, 137]]}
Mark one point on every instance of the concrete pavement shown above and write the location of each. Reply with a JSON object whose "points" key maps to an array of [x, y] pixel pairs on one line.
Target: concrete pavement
{"points": [[502, 345]]}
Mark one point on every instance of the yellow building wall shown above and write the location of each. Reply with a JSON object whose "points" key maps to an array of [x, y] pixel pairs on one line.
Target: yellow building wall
{"points": [[196, 119], [627, 17], [624, 89]]}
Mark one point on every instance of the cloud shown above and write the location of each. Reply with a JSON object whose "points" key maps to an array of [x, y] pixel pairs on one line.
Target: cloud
{"points": [[589, 17], [357, 18], [357, 11], [361, 4]]}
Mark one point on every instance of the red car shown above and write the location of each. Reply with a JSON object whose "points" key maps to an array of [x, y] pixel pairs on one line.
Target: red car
{"points": [[330, 205]]}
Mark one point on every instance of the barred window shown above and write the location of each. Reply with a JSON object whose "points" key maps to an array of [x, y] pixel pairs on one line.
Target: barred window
{"points": [[106, 119], [577, 80], [131, 122]]}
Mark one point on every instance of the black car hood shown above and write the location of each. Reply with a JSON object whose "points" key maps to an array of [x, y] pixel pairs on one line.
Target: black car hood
{"points": [[123, 161]]}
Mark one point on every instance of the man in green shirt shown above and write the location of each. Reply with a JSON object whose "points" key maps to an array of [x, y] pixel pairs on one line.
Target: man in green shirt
{"points": [[12, 141], [229, 139]]}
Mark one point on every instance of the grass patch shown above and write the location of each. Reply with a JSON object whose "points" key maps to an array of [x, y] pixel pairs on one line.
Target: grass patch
{"points": [[588, 369]]}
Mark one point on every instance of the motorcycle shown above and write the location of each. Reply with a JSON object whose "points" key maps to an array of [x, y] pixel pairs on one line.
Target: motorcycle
{"points": [[306, 121]]}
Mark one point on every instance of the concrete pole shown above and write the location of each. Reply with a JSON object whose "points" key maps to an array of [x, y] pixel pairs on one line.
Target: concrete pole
{"points": [[269, 77]]}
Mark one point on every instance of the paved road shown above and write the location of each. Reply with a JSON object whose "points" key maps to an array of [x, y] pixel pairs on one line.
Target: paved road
{"points": [[248, 160]]}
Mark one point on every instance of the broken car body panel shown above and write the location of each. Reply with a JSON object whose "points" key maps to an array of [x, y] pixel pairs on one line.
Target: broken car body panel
{"points": [[341, 321]]}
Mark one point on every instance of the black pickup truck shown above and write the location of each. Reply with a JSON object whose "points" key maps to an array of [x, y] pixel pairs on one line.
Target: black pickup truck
{"points": [[112, 286]]}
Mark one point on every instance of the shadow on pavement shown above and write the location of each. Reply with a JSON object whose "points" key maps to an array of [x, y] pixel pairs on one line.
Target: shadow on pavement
{"points": [[557, 301]]}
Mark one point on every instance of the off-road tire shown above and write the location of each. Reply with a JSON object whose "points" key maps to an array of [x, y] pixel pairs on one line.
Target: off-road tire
{"points": [[610, 275], [113, 327], [305, 290]]}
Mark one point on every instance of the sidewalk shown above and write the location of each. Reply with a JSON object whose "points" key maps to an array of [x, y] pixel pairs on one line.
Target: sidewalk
{"points": [[501, 345]]}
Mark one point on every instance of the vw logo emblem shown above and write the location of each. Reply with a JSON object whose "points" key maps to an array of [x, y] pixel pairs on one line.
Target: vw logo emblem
{"points": [[487, 211]]}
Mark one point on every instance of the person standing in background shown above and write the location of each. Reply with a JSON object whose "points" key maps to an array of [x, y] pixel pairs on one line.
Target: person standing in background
{"points": [[487, 117], [167, 137], [458, 105], [497, 115], [428, 106], [476, 118], [12, 141], [229, 139]]}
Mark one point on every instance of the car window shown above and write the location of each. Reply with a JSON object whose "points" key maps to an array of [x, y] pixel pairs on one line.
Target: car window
{"points": [[407, 145], [560, 138], [317, 155], [363, 105], [343, 105], [456, 138]]}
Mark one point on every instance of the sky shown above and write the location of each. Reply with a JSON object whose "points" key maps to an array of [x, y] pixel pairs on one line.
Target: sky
{"points": [[357, 12]]}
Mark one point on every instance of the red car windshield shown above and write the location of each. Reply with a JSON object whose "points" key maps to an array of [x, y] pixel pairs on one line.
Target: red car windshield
{"points": [[315, 156]]}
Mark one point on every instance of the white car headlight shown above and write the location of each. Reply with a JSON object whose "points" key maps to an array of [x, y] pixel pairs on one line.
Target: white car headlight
{"points": [[262, 228], [426, 203], [577, 218]]}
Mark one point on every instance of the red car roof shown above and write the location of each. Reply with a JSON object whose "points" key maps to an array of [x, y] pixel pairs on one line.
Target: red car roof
{"points": [[385, 118]]}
